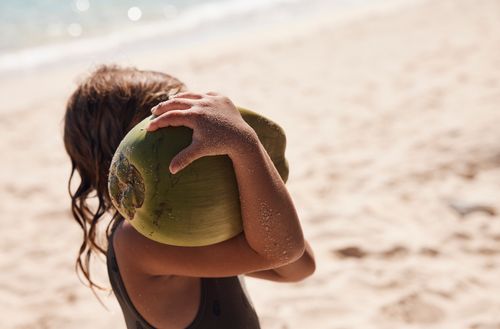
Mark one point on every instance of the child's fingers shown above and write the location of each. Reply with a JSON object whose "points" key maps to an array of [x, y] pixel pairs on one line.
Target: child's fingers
{"points": [[185, 157], [172, 118], [172, 104], [188, 94]]}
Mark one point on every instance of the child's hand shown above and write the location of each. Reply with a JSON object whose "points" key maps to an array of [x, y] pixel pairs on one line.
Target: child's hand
{"points": [[218, 127]]}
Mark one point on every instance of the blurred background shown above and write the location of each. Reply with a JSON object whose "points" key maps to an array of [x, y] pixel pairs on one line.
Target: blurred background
{"points": [[41, 32], [391, 110]]}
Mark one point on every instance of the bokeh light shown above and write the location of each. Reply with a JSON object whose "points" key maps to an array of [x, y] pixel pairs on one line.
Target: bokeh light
{"points": [[82, 5], [75, 30], [134, 13]]}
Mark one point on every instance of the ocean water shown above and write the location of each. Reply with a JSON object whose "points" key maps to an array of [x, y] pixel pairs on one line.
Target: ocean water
{"points": [[37, 32]]}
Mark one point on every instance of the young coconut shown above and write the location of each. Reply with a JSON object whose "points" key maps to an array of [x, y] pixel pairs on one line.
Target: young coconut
{"points": [[195, 207]]}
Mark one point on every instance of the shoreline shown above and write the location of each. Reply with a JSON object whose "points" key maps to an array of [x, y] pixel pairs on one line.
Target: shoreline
{"points": [[199, 24], [13, 84]]}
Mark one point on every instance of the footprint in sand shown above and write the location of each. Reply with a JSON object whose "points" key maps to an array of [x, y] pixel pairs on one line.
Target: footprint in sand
{"points": [[350, 252], [54, 214], [429, 252], [24, 192], [413, 309], [68, 294], [357, 252], [485, 326], [395, 252]]}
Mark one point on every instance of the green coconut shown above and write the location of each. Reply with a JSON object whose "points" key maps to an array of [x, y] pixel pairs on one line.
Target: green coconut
{"points": [[197, 206]]}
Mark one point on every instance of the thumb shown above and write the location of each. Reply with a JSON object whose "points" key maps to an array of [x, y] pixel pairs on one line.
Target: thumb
{"points": [[185, 157]]}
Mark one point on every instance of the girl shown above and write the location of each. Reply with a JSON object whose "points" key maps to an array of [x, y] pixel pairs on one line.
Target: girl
{"points": [[164, 286]]}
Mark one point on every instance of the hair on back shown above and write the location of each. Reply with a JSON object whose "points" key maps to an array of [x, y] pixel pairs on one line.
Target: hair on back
{"points": [[99, 113]]}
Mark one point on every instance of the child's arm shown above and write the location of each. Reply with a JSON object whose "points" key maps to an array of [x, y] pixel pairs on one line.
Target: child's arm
{"points": [[293, 272], [272, 234]]}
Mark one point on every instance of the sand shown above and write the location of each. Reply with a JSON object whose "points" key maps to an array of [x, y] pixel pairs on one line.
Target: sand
{"points": [[392, 116]]}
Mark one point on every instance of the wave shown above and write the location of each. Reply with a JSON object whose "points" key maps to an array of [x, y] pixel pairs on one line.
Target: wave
{"points": [[189, 22]]}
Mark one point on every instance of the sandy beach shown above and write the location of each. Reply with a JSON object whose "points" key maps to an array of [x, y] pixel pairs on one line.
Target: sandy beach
{"points": [[392, 117]]}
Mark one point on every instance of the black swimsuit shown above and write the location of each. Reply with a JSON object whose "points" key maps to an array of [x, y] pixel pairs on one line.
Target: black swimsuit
{"points": [[223, 304]]}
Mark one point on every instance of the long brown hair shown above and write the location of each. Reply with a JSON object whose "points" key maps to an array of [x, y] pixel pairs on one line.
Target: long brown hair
{"points": [[102, 109]]}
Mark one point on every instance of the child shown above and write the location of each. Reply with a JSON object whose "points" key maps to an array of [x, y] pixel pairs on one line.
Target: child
{"points": [[164, 286]]}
